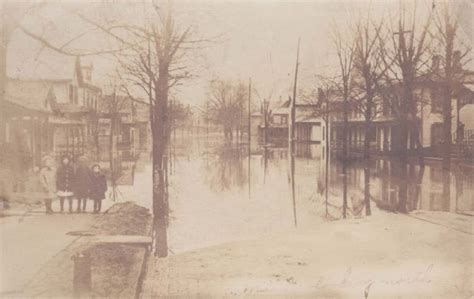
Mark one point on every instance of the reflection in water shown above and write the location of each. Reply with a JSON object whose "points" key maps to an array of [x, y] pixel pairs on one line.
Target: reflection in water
{"points": [[211, 182], [367, 188], [227, 171], [292, 180]]}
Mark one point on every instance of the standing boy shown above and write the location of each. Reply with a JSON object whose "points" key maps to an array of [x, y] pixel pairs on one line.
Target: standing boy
{"points": [[98, 187]]}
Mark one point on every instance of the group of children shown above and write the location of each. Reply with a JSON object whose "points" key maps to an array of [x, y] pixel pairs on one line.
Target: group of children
{"points": [[69, 182]]}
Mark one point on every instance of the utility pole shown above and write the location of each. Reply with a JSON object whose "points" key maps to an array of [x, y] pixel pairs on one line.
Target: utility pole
{"points": [[326, 189], [293, 100], [249, 113], [292, 136], [249, 136]]}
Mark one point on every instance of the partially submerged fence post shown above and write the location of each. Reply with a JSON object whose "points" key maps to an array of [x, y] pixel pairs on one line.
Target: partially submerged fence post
{"points": [[82, 280]]}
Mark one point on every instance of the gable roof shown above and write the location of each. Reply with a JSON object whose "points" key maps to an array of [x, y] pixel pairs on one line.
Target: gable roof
{"points": [[307, 114], [31, 94], [48, 66], [54, 67]]}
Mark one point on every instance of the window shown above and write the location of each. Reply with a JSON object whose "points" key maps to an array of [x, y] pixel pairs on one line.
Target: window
{"points": [[284, 120], [436, 100], [437, 134], [276, 119], [71, 93], [75, 95]]}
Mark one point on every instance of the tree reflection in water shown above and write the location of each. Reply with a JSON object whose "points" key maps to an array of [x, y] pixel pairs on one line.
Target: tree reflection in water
{"points": [[226, 169], [302, 188]]}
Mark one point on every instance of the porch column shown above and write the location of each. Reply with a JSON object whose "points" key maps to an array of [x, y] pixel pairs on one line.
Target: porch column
{"points": [[389, 139], [381, 139], [83, 139], [32, 140]]}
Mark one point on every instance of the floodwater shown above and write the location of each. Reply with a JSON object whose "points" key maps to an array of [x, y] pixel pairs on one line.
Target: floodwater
{"points": [[222, 192]]}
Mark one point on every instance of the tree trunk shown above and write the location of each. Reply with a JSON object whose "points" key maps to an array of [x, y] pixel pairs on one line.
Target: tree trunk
{"points": [[161, 134], [367, 140], [344, 189], [447, 91], [418, 145], [112, 152], [344, 130], [402, 138], [159, 207], [368, 211], [446, 190], [402, 186], [447, 115]]}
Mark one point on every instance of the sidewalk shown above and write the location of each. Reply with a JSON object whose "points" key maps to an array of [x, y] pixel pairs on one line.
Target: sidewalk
{"points": [[29, 239], [383, 256]]}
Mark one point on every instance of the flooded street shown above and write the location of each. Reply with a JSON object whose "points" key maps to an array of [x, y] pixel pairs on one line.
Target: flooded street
{"points": [[218, 193], [248, 149]]}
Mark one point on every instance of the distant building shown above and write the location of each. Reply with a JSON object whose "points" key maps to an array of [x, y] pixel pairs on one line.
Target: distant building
{"points": [[142, 125], [74, 115], [277, 125], [117, 128], [310, 129], [65, 105], [29, 133], [256, 123], [384, 126], [132, 131]]}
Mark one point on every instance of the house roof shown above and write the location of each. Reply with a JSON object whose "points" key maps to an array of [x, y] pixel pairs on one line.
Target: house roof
{"points": [[30, 94], [65, 121], [125, 104], [71, 108], [280, 110], [48, 66], [53, 67], [306, 114], [142, 112]]}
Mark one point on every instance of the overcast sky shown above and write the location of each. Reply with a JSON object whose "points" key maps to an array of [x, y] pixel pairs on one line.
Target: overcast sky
{"points": [[257, 39]]}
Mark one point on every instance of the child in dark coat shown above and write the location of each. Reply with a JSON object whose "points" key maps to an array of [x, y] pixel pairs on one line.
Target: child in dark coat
{"points": [[98, 188], [82, 183], [64, 181]]}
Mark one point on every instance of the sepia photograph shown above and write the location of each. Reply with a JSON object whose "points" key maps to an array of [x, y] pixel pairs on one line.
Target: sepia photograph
{"points": [[236, 149]]}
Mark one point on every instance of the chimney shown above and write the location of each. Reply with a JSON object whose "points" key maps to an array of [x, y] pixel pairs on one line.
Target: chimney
{"points": [[87, 72], [435, 63]]}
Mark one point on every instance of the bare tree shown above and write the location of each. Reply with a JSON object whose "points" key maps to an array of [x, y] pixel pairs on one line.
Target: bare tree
{"points": [[111, 109], [369, 71], [345, 50], [345, 54], [266, 110], [180, 114], [155, 63], [449, 76], [226, 105], [405, 58]]}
